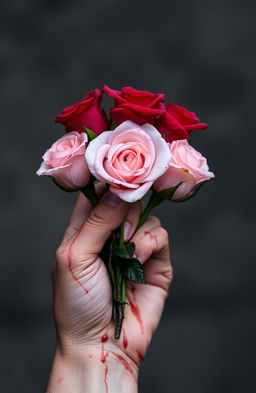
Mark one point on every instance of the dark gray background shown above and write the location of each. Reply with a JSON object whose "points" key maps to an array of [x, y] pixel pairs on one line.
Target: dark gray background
{"points": [[201, 53]]}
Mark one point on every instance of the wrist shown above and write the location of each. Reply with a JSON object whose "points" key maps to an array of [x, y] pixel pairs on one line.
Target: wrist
{"points": [[93, 369]]}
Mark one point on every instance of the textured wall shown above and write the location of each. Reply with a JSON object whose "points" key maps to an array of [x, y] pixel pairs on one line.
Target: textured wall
{"points": [[201, 53]]}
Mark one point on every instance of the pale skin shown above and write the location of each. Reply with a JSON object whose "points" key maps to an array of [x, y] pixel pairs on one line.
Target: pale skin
{"points": [[88, 358]]}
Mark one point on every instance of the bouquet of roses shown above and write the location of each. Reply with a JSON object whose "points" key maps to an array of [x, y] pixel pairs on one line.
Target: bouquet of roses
{"points": [[141, 145]]}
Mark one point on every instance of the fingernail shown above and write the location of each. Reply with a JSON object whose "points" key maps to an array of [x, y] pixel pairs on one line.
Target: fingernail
{"points": [[111, 199], [127, 230]]}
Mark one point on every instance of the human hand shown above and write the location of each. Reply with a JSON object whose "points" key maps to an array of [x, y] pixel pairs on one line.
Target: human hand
{"points": [[83, 297]]}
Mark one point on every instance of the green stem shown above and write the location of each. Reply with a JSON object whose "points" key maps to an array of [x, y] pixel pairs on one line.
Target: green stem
{"points": [[90, 193], [154, 201], [121, 289]]}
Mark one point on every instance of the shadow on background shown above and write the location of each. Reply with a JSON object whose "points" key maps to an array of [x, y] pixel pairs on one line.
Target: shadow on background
{"points": [[202, 55]]}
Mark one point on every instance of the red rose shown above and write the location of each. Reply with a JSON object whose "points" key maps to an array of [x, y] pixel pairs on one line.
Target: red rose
{"points": [[85, 113], [138, 106], [177, 123]]}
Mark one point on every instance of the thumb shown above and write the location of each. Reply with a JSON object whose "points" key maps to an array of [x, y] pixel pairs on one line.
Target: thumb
{"points": [[102, 221]]}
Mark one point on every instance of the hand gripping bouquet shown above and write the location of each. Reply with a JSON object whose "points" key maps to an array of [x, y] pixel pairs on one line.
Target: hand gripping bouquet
{"points": [[140, 146]]}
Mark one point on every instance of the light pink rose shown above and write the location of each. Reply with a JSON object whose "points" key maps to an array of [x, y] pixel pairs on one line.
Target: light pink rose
{"points": [[130, 159], [187, 166], [65, 161]]}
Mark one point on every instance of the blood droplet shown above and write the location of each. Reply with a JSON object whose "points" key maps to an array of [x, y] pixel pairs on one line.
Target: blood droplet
{"points": [[104, 338]]}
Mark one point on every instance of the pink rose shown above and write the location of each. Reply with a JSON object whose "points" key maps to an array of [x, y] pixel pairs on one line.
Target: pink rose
{"points": [[85, 113], [187, 166], [130, 159], [65, 161], [177, 123]]}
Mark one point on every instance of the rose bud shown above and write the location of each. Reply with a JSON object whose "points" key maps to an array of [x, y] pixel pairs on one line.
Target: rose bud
{"points": [[85, 113], [177, 123], [188, 168], [65, 161], [129, 159]]}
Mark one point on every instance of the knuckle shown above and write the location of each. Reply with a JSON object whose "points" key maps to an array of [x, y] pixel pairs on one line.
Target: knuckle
{"points": [[154, 220], [96, 219], [60, 255], [169, 274], [164, 235]]}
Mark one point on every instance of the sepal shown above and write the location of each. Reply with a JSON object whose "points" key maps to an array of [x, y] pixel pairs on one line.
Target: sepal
{"points": [[113, 126], [168, 192], [91, 135]]}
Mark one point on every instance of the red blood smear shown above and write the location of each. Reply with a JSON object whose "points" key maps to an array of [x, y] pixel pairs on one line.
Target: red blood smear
{"points": [[136, 312], [103, 359], [153, 237], [124, 363], [103, 355], [140, 356], [70, 268], [105, 377], [125, 341]]}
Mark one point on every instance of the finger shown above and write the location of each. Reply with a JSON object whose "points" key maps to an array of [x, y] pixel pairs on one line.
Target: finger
{"points": [[152, 241], [153, 250], [142, 239], [102, 221], [132, 218], [80, 213]]}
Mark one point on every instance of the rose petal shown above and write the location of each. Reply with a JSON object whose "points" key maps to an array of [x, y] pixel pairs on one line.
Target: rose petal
{"points": [[92, 149], [163, 155], [132, 195]]}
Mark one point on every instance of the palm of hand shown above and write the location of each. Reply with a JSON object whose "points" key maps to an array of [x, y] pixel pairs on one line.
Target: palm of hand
{"points": [[83, 301]]}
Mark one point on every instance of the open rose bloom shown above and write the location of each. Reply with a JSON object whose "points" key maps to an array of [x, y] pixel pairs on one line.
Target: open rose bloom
{"points": [[130, 159], [148, 151]]}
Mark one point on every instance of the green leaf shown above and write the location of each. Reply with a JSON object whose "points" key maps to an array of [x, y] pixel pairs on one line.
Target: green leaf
{"points": [[168, 192], [120, 252], [130, 248], [63, 188], [133, 270], [124, 252], [91, 135]]}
